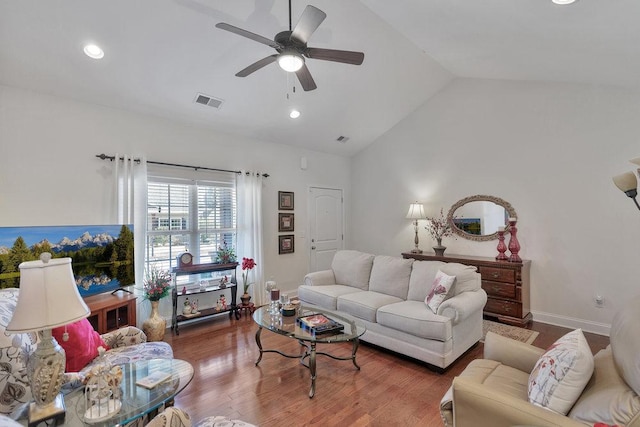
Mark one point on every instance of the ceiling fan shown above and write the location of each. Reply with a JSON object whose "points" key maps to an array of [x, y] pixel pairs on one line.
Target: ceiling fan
{"points": [[292, 47]]}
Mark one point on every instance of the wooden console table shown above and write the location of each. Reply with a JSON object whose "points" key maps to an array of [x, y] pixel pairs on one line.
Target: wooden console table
{"points": [[506, 284], [111, 311]]}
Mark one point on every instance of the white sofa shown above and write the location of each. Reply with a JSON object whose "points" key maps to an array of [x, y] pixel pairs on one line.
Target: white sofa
{"points": [[387, 294]]}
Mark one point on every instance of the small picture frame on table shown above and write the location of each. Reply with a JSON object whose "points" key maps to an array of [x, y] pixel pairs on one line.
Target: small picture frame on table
{"points": [[286, 244], [285, 222], [285, 200]]}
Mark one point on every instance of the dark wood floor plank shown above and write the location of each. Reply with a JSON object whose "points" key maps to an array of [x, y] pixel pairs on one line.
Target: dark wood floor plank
{"points": [[388, 390]]}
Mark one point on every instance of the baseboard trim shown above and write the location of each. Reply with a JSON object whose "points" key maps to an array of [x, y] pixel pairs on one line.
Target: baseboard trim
{"points": [[572, 323]]}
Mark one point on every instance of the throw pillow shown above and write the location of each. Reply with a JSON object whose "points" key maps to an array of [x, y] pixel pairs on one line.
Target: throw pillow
{"points": [[82, 345], [561, 373], [439, 290]]}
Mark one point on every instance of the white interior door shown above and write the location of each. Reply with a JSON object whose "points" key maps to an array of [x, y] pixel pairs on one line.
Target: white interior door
{"points": [[326, 234]]}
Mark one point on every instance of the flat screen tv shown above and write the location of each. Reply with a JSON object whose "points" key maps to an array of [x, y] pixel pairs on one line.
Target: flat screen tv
{"points": [[102, 255]]}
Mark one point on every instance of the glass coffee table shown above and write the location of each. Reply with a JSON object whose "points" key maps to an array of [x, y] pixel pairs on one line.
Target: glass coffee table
{"points": [[136, 401], [288, 327]]}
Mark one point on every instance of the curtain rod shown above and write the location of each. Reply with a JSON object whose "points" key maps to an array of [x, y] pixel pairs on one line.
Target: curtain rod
{"points": [[112, 158]]}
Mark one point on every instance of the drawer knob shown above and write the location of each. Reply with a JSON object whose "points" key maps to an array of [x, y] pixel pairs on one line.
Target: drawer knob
{"points": [[495, 275], [507, 309], [495, 289]]}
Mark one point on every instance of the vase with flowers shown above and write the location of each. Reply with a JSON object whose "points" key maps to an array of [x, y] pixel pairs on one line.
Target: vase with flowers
{"points": [[247, 265], [439, 227], [157, 285]]}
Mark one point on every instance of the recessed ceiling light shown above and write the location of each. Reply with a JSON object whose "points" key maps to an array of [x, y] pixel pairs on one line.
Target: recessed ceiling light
{"points": [[563, 1], [294, 114], [93, 51]]}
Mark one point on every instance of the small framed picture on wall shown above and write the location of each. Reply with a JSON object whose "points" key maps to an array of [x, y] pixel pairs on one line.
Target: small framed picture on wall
{"points": [[285, 200], [285, 222], [286, 245]]}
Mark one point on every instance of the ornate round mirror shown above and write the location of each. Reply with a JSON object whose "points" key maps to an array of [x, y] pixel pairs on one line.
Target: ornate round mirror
{"points": [[478, 217]]}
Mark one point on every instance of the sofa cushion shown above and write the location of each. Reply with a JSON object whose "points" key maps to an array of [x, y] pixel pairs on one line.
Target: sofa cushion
{"points": [[606, 398], [415, 318], [498, 377], [439, 290], [352, 268], [325, 296], [625, 343], [561, 373], [81, 346], [421, 281], [467, 277], [390, 275], [364, 304]]}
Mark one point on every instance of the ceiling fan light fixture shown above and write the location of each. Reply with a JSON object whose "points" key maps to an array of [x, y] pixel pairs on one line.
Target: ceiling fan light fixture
{"points": [[563, 2], [294, 114], [290, 62]]}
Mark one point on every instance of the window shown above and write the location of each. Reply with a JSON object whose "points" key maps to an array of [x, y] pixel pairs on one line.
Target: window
{"points": [[189, 216]]}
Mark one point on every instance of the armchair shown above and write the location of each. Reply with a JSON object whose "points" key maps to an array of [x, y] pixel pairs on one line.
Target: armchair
{"points": [[493, 391], [127, 345]]}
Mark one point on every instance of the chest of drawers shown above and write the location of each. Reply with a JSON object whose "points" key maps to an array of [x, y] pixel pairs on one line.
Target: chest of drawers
{"points": [[506, 284]]}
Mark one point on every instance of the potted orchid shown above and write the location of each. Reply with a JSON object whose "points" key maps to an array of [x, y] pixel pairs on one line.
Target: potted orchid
{"points": [[247, 265], [439, 227]]}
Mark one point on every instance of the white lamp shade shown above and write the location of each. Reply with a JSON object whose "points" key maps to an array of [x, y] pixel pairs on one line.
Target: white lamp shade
{"points": [[290, 62], [48, 297], [416, 211], [626, 181]]}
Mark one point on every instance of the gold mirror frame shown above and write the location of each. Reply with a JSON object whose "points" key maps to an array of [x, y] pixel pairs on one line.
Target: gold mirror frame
{"points": [[511, 213]]}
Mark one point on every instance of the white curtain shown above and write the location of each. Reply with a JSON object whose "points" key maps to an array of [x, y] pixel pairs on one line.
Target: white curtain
{"points": [[131, 203], [249, 231]]}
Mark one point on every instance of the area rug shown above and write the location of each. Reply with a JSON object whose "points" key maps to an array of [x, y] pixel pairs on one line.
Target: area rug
{"points": [[519, 334]]}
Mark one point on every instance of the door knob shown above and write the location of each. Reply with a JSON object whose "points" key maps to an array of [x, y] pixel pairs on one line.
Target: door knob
{"points": [[313, 247]]}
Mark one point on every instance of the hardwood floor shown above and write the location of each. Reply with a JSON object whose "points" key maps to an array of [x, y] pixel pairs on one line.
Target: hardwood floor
{"points": [[389, 390]]}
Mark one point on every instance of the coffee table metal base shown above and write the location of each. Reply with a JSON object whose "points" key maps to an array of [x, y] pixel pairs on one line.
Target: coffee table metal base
{"points": [[311, 353]]}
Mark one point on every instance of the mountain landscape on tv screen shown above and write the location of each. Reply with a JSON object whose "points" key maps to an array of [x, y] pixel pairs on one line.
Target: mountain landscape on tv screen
{"points": [[102, 255]]}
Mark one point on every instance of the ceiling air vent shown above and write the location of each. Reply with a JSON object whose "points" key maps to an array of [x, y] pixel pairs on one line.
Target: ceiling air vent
{"points": [[342, 139], [208, 100]]}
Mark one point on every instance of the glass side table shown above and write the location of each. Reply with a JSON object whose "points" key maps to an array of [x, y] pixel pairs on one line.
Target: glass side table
{"points": [[137, 401]]}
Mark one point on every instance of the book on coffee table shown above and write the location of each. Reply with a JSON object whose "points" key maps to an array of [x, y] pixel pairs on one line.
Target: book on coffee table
{"points": [[319, 324], [152, 380]]}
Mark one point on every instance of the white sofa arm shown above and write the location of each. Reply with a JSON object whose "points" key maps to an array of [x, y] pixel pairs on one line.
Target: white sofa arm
{"points": [[319, 278], [463, 305]]}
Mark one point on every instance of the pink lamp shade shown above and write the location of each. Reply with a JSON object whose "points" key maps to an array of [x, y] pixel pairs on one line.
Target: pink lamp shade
{"points": [[48, 296]]}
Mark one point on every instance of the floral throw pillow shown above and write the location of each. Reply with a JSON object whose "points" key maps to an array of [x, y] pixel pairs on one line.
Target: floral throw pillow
{"points": [[561, 373], [439, 290]]}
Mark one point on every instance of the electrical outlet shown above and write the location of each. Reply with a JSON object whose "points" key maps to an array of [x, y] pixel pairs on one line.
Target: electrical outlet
{"points": [[599, 300]]}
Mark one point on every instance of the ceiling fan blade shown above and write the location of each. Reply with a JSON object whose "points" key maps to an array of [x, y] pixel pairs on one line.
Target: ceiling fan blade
{"points": [[310, 20], [306, 81], [344, 56], [256, 66], [248, 34]]}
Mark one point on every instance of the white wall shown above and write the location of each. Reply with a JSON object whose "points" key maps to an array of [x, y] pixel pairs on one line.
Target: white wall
{"points": [[49, 174], [548, 149]]}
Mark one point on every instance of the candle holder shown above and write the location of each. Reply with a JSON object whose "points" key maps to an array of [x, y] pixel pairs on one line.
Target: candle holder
{"points": [[502, 248], [514, 245]]}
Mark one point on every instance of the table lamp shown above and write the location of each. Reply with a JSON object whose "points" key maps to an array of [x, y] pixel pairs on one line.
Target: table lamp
{"points": [[416, 212], [48, 298]]}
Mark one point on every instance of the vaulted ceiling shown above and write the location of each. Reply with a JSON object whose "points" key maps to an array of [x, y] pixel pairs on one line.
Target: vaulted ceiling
{"points": [[159, 54]]}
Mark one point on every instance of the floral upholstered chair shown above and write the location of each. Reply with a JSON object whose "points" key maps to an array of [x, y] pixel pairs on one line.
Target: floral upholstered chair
{"points": [[126, 345]]}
